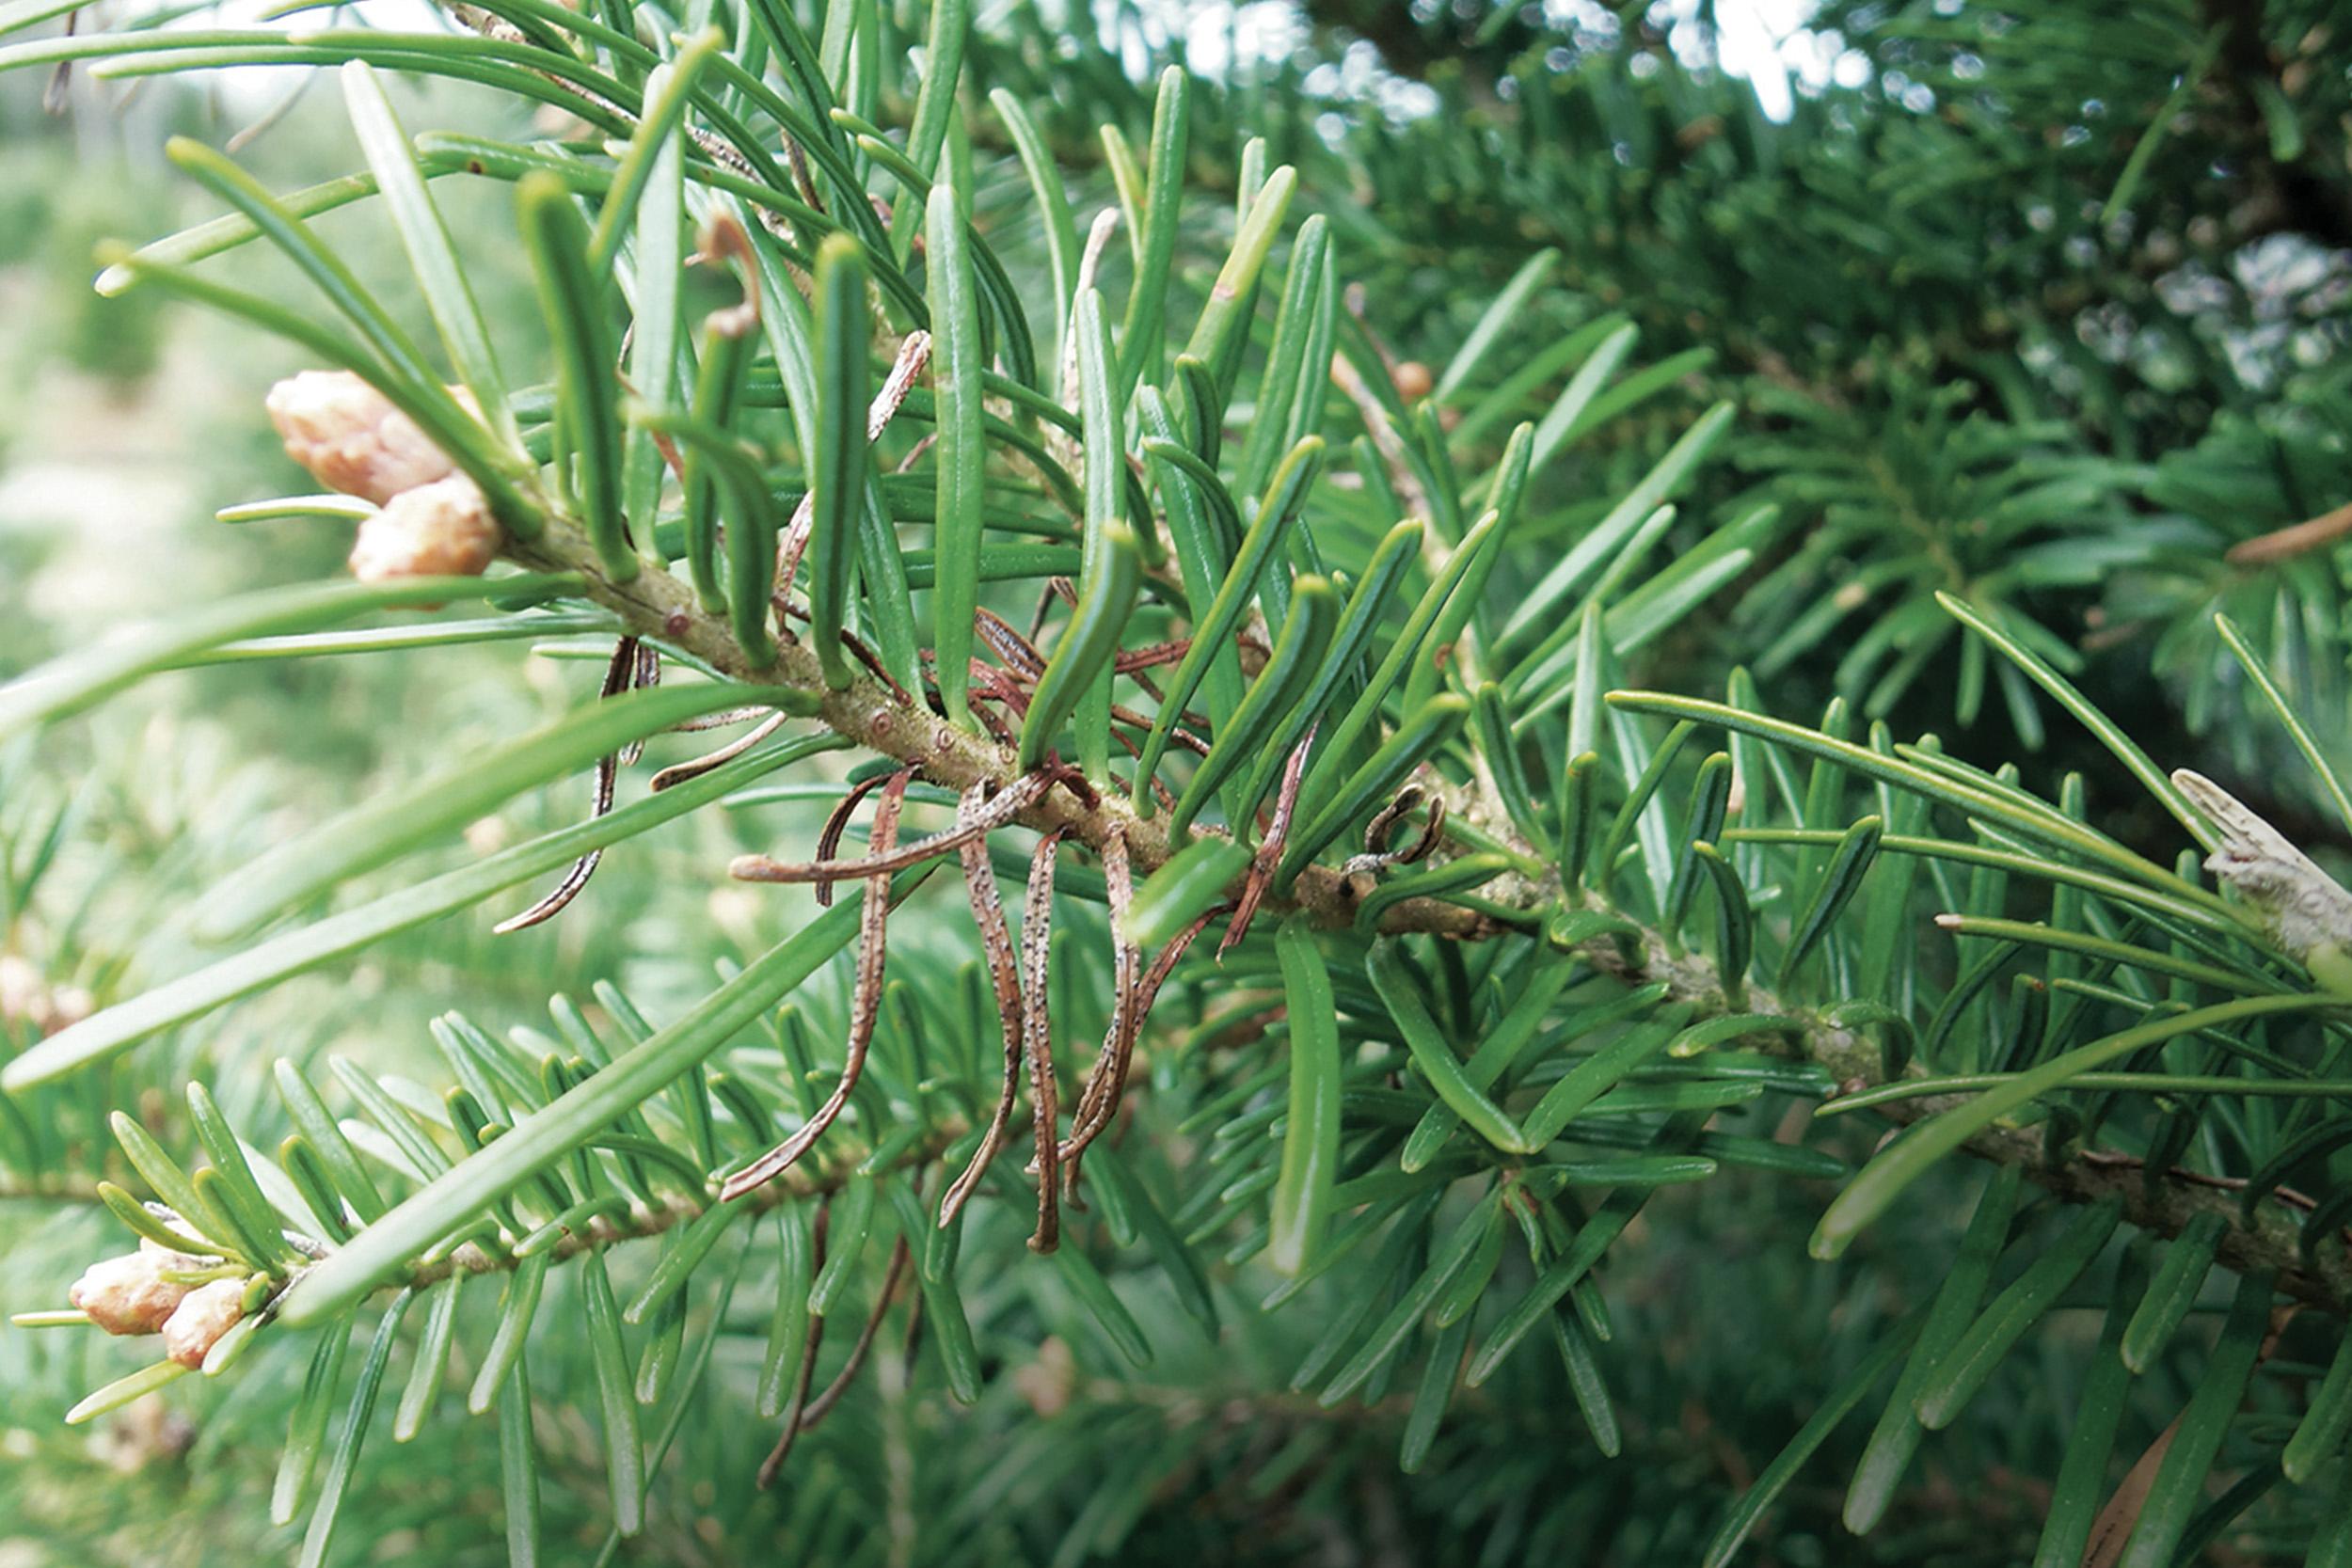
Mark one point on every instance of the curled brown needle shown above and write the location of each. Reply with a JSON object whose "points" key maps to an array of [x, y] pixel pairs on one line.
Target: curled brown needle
{"points": [[837, 823], [802, 181], [1037, 1040], [726, 718], [1380, 833], [1001, 687], [1023, 664], [1160, 792], [810, 1343], [988, 912], [990, 685], [1139, 1010], [647, 677], [865, 1007], [631, 665], [1100, 1098], [1019, 654], [677, 773], [914, 354], [850, 640], [1269, 853], [1015, 798], [1157, 654], [821, 1407]]}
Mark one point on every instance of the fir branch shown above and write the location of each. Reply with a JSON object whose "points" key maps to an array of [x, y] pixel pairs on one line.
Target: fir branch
{"points": [[641, 1221], [656, 604], [2162, 1202], [2165, 1202]]}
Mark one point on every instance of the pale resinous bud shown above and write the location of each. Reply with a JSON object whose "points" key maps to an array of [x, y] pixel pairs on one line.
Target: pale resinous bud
{"points": [[443, 529], [201, 1318], [351, 438], [130, 1294], [2305, 911]]}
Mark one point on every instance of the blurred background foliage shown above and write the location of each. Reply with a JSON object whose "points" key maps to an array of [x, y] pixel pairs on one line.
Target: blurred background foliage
{"points": [[2039, 303]]}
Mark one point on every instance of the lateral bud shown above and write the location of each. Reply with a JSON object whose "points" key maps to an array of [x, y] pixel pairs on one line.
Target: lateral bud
{"points": [[203, 1315], [443, 529], [134, 1293], [2306, 910], [351, 439]]}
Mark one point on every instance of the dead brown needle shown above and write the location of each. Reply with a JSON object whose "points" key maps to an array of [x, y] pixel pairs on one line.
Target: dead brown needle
{"points": [[1099, 1102], [811, 1342], [1380, 833], [837, 823], [988, 912], [821, 1407], [1037, 1040], [630, 666], [914, 354], [866, 1006], [678, 774], [1015, 798], [1269, 855]]}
